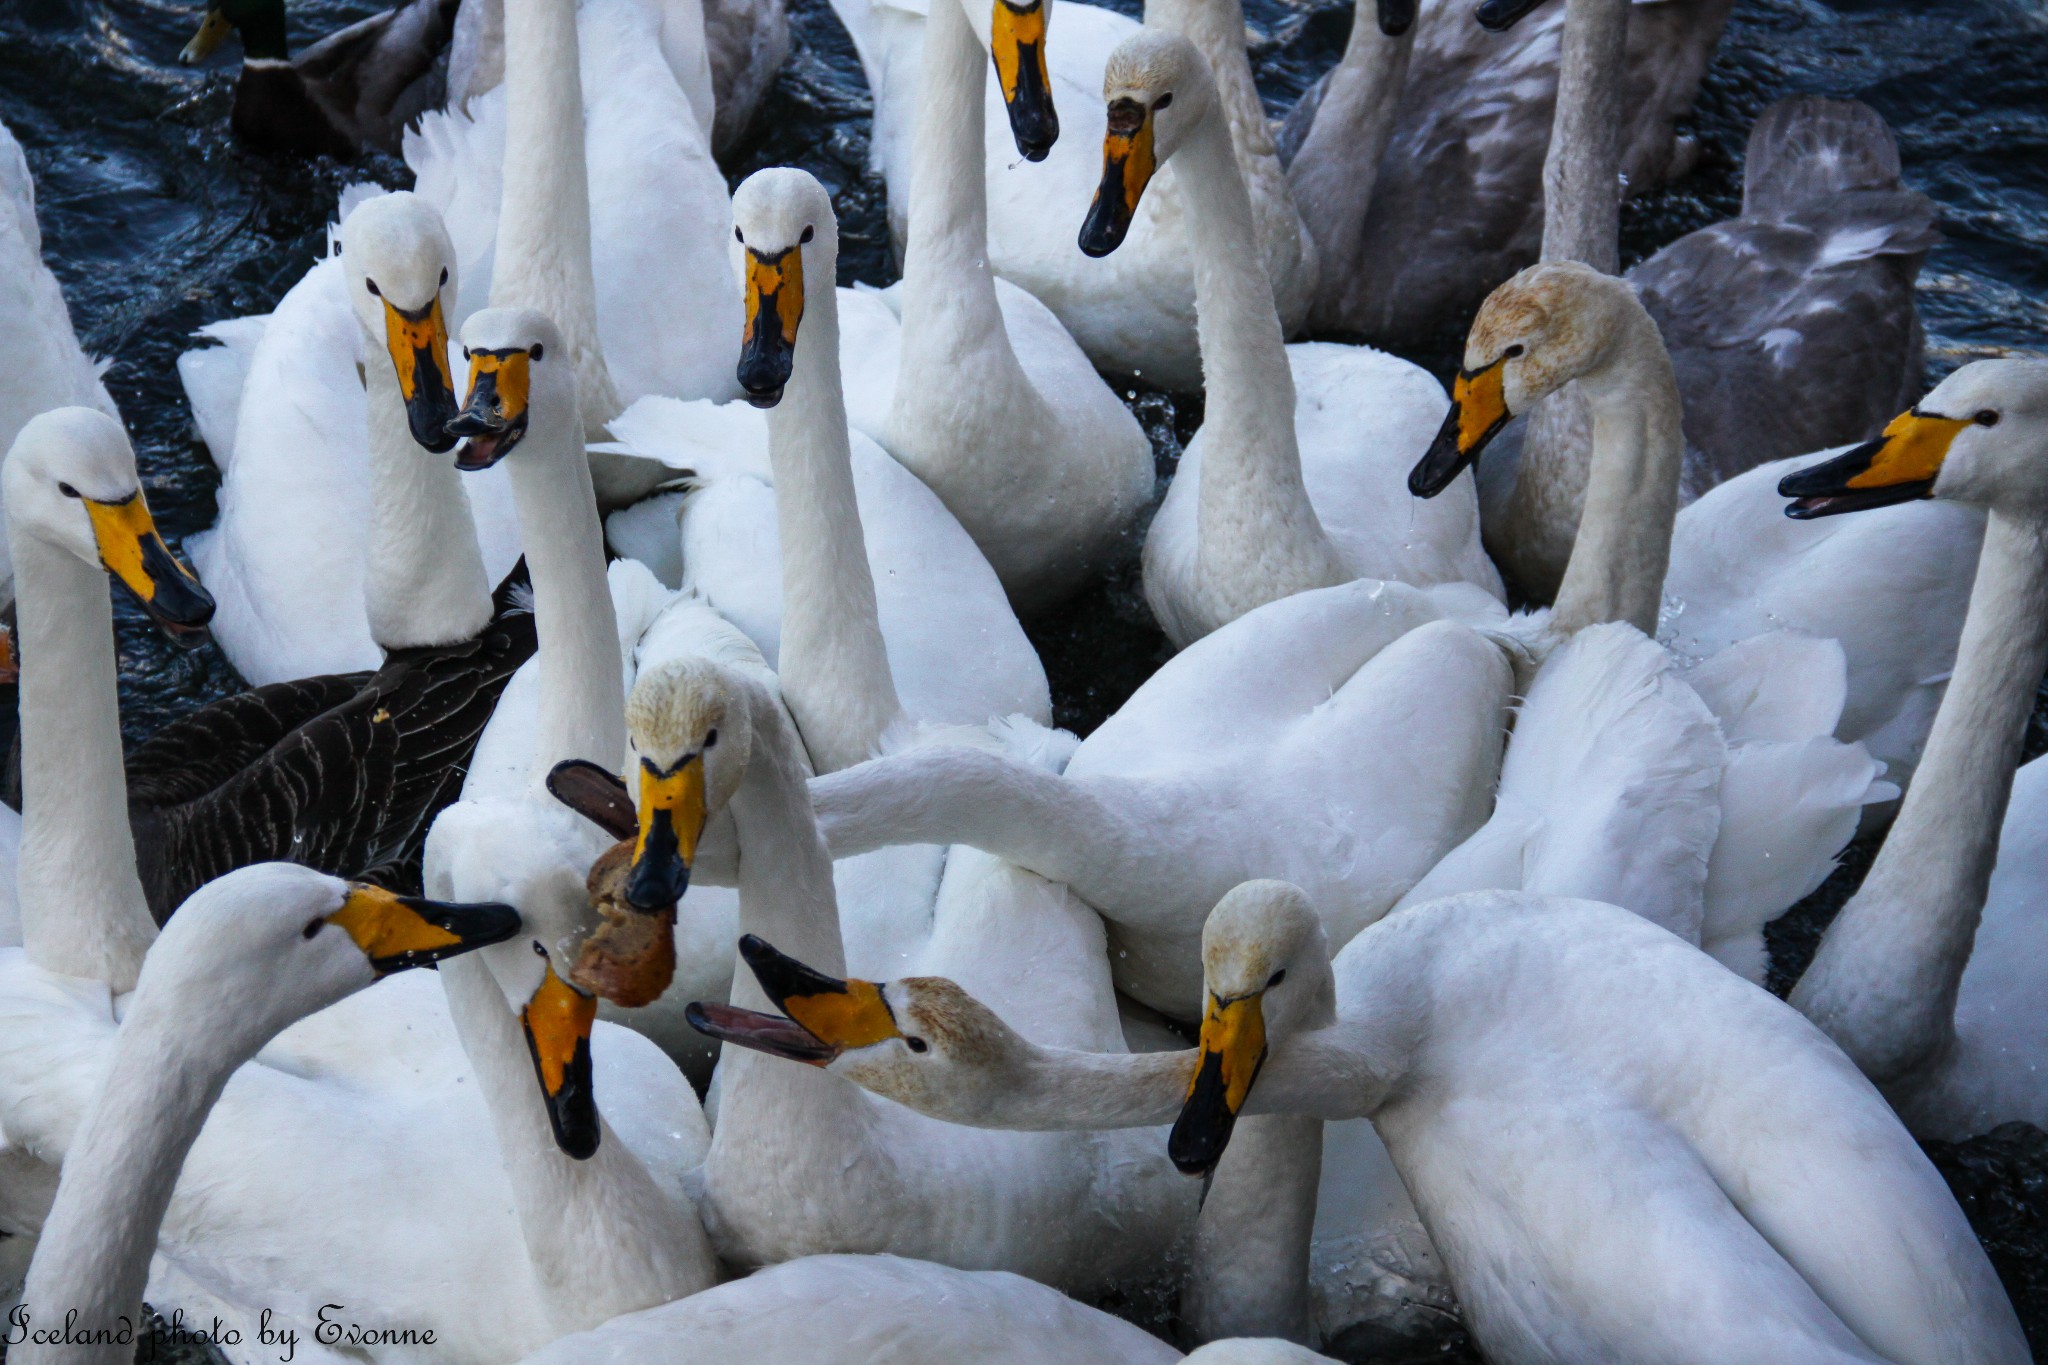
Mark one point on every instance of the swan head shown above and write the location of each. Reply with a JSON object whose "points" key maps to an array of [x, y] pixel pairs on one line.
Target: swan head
{"points": [[782, 222], [70, 482], [399, 264], [1543, 328], [253, 952], [1159, 88], [1980, 437], [517, 367], [691, 735], [1013, 31], [1265, 976], [922, 1041]]}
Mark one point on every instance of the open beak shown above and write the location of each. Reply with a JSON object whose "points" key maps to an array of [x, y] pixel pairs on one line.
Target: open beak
{"points": [[1233, 1050], [825, 1015], [1398, 16], [493, 420], [672, 817], [1899, 466], [213, 31], [396, 932], [1498, 16], [1017, 42], [417, 340], [1479, 409], [557, 1021], [133, 552], [775, 307], [1127, 167]]}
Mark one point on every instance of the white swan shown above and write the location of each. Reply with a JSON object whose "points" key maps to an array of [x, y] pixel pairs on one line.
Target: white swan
{"points": [[1295, 479], [1679, 1141], [1952, 1035], [594, 200], [1133, 314], [283, 942], [42, 365]]}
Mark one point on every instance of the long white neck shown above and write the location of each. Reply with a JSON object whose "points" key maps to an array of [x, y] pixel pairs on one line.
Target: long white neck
{"points": [[833, 665], [602, 1236], [1616, 571], [1258, 536], [1334, 172], [1582, 169], [425, 583], [82, 908], [582, 697], [951, 323], [1884, 982], [94, 1252], [543, 249]]}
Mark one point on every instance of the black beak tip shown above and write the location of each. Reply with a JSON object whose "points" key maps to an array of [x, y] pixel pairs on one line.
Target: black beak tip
{"points": [[1396, 17], [578, 1139], [654, 887], [1498, 16], [765, 398]]}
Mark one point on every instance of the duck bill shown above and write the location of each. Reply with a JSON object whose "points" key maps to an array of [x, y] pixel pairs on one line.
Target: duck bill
{"points": [[213, 31], [769, 1033], [1017, 44], [493, 418], [1127, 168], [557, 1021], [840, 1015], [133, 552], [1498, 16], [671, 821], [775, 308], [417, 341], [399, 932], [1479, 409], [1900, 466], [1396, 17], [1233, 1049]]}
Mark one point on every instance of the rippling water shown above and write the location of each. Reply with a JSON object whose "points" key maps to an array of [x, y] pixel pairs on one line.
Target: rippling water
{"points": [[155, 224]]}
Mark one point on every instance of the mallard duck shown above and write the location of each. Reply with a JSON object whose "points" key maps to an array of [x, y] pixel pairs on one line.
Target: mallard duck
{"points": [[357, 87]]}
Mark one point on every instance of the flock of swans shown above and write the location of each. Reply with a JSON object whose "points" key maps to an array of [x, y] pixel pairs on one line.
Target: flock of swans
{"points": [[634, 622]]}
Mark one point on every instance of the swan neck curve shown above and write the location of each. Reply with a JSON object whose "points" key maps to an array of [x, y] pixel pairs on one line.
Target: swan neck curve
{"points": [[82, 907], [424, 583], [1339, 161], [1884, 983], [833, 664], [1582, 169]]}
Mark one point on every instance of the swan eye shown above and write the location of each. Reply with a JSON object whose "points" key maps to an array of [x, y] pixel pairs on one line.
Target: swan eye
{"points": [[916, 1044], [1511, 352], [535, 352], [67, 490], [371, 285], [1162, 102], [1276, 978], [739, 236], [1986, 418], [313, 926], [539, 951], [710, 737], [808, 234], [444, 274]]}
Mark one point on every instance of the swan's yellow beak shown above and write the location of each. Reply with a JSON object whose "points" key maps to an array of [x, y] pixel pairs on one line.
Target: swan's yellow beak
{"points": [[672, 815], [775, 308], [213, 31], [557, 1020], [1233, 1048], [396, 932], [1127, 168], [133, 552], [494, 418], [417, 342], [1479, 409], [826, 1016], [1899, 466], [1017, 43]]}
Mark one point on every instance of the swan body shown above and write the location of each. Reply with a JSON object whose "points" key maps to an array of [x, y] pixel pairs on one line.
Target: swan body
{"points": [[1713, 1147], [1244, 520], [1133, 313]]}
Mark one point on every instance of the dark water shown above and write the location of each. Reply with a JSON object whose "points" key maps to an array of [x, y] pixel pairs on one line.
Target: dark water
{"points": [[155, 224]]}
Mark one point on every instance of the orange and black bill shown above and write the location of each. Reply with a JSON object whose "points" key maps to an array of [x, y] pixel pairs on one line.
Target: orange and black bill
{"points": [[494, 419], [1017, 45], [775, 308], [1233, 1050], [1479, 410], [670, 820], [400, 932], [825, 1016], [1899, 466], [1127, 168], [134, 553], [557, 1021], [417, 341]]}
